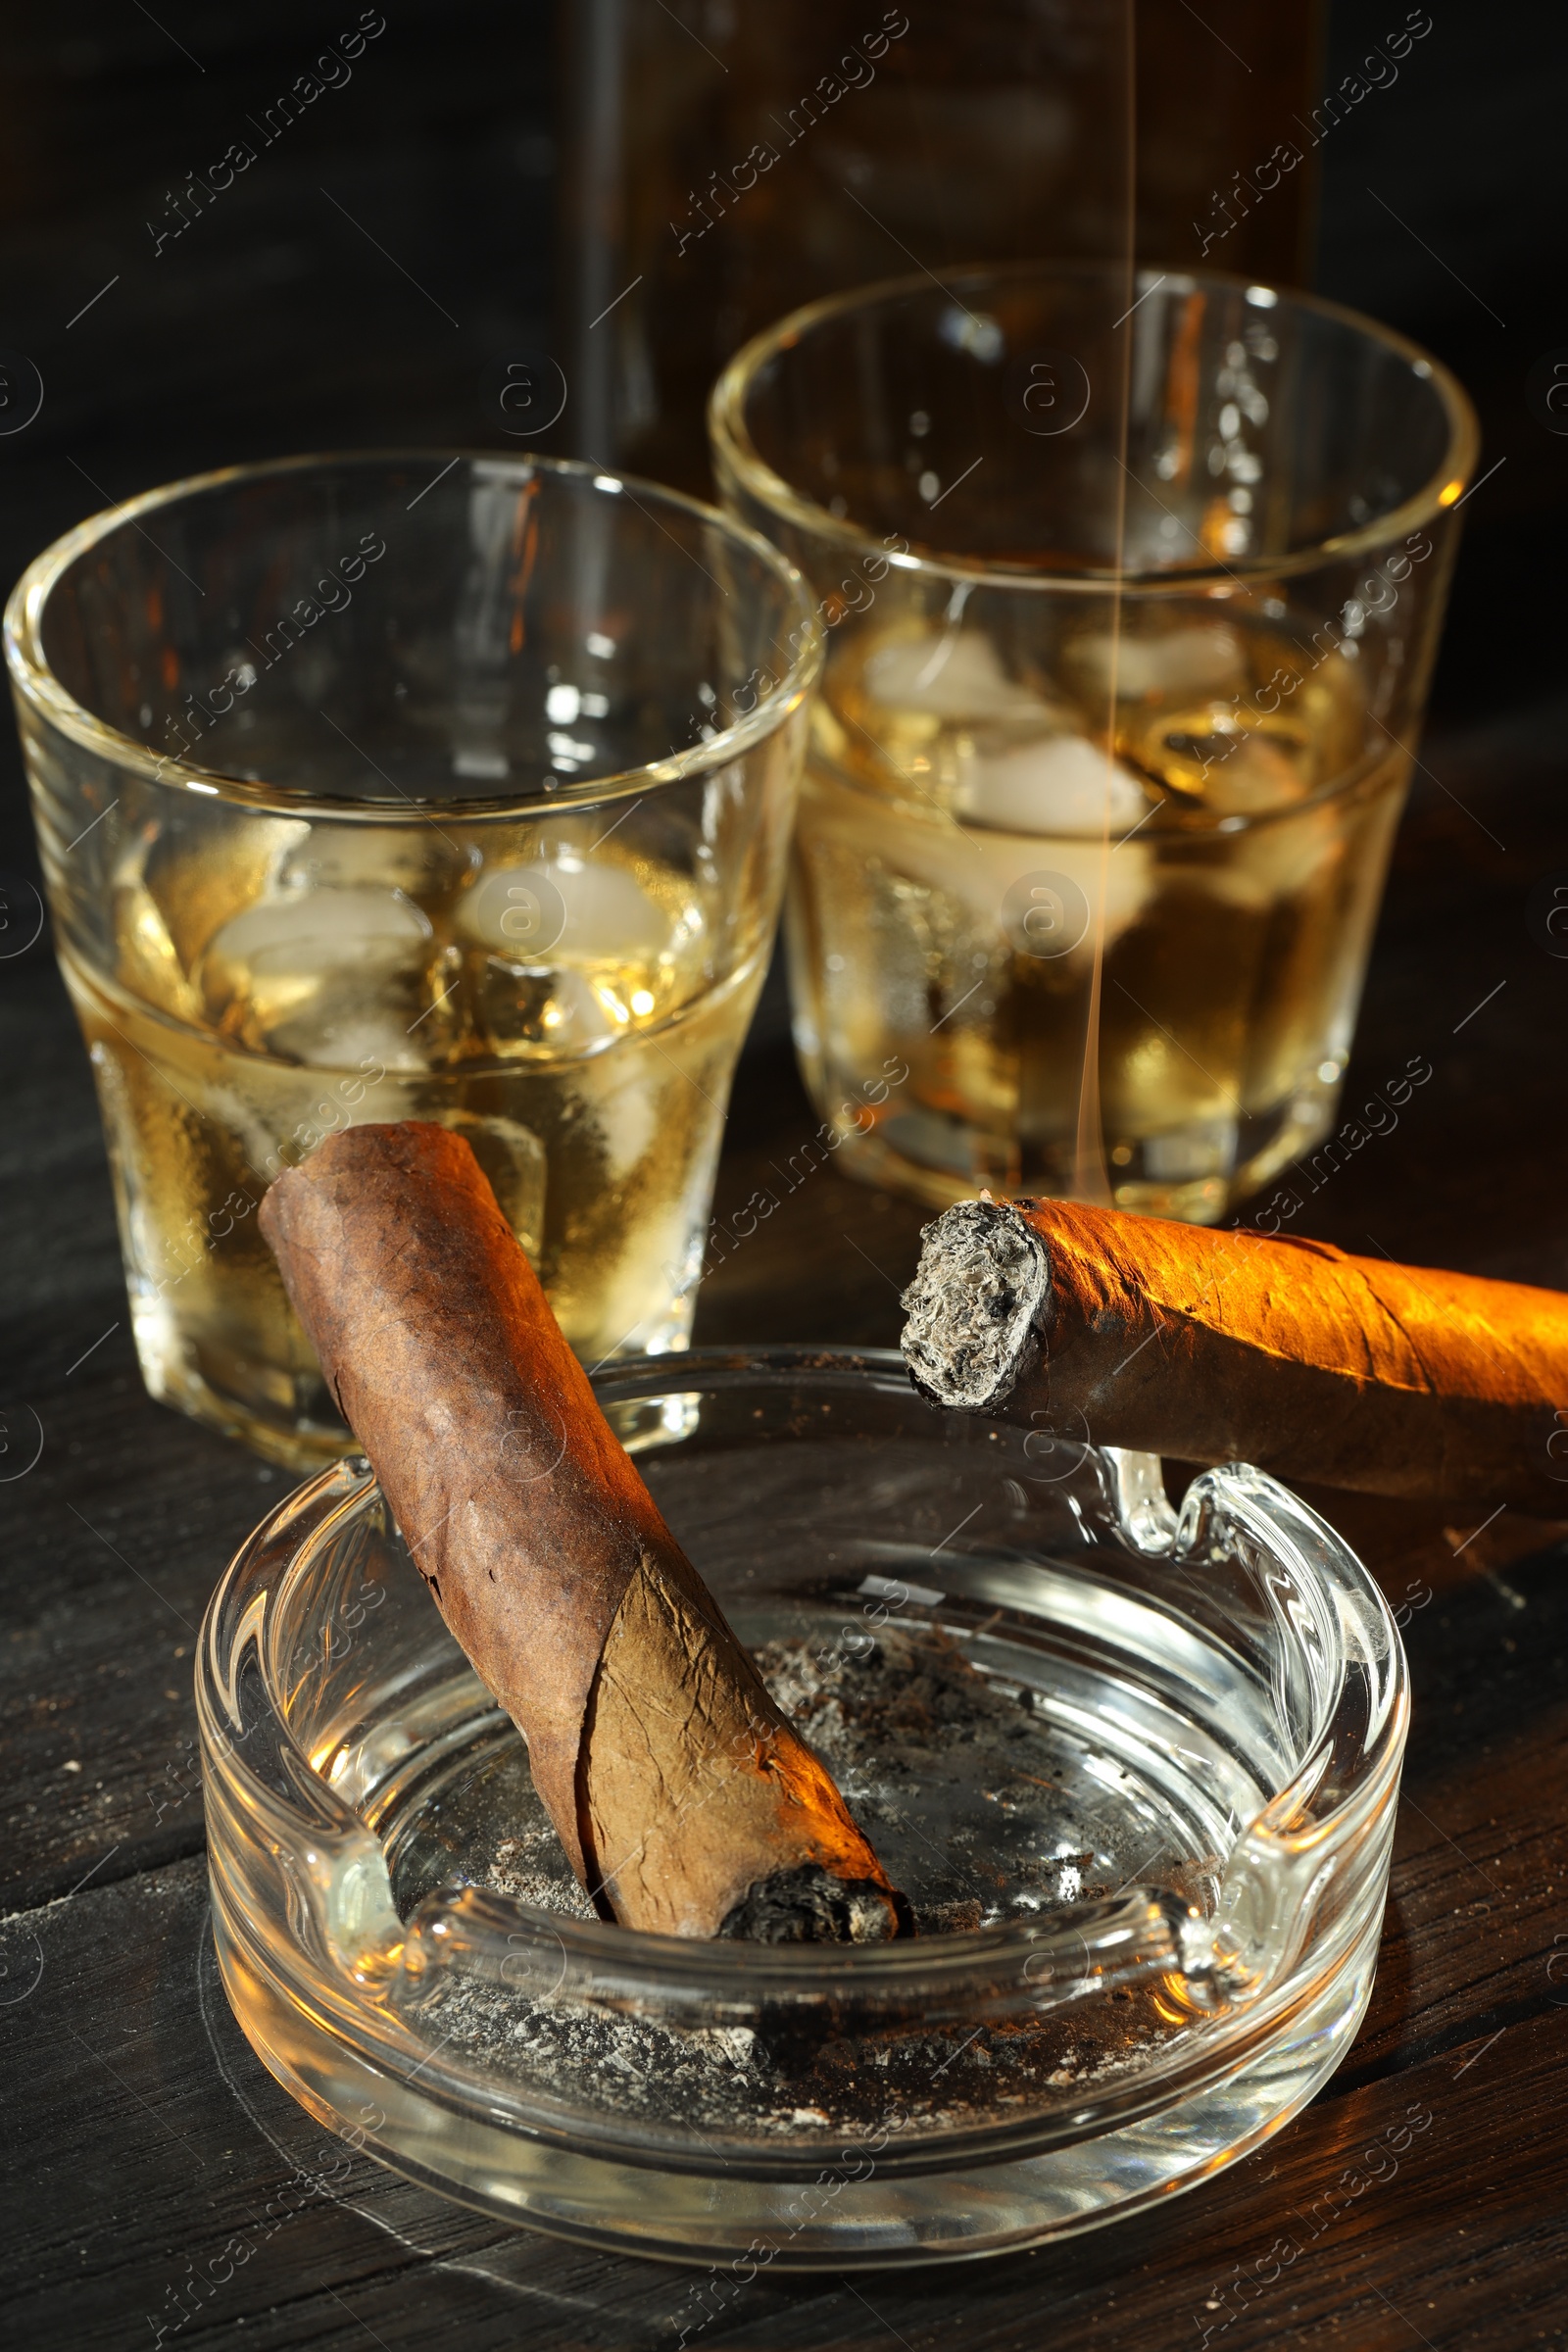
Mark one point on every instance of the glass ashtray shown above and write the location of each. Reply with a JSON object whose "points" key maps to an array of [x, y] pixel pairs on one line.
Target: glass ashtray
{"points": [[1136, 1774]]}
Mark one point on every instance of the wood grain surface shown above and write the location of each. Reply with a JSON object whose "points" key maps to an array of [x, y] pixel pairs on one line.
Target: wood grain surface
{"points": [[151, 2168]]}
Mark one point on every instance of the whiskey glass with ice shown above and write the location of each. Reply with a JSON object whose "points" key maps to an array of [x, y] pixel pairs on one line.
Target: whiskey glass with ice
{"points": [[394, 787], [1132, 587]]}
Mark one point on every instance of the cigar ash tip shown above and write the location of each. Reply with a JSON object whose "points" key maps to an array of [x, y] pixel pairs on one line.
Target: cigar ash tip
{"points": [[979, 1300], [811, 1905]]}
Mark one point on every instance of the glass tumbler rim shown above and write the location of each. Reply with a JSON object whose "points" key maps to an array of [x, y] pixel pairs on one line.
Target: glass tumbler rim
{"points": [[35, 682], [731, 439]]}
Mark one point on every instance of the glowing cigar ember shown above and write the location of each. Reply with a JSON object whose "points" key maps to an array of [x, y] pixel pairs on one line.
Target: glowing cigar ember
{"points": [[1231, 1347], [685, 1801]]}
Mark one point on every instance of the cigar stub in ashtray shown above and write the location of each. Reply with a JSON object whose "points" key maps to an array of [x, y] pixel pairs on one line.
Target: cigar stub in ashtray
{"points": [[686, 1802]]}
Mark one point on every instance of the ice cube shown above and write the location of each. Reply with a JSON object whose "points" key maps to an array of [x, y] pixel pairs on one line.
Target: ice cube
{"points": [[1264, 771], [1232, 766], [1279, 857], [514, 1159], [291, 939], [966, 871], [326, 977], [628, 1119], [632, 1306], [208, 864], [146, 961], [1061, 784], [1113, 882], [951, 673], [414, 858], [1204, 1147], [345, 1036], [1202, 658], [567, 909], [545, 1015]]}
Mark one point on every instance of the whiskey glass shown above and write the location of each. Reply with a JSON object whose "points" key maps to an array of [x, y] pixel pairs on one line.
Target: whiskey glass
{"points": [[1132, 589], [409, 786]]}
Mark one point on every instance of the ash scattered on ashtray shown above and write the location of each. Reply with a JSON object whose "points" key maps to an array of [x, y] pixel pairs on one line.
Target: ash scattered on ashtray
{"points": [[901, 1720], [915, 1737]]}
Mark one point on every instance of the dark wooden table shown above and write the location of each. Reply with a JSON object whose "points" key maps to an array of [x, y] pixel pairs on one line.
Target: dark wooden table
{"points": [[157, 2184]]}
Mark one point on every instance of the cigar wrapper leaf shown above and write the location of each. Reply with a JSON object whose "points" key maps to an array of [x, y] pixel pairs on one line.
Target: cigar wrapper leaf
{"points": [[685, 1800], [1215, 1346]]}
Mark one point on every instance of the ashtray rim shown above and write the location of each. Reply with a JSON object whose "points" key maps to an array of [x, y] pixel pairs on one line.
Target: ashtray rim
{"points": [[1119, 1934]]}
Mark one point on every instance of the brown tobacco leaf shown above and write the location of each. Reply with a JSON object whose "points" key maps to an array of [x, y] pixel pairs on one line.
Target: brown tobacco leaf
{"points": [[677, 1787]]}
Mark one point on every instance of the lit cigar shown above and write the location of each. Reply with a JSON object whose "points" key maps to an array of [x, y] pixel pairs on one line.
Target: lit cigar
{"points": [[684, 1799], [1231, 1347]]}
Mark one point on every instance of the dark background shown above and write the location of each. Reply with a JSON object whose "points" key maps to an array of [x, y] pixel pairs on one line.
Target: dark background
{"points": [[137, 2132], [273, 324]]}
